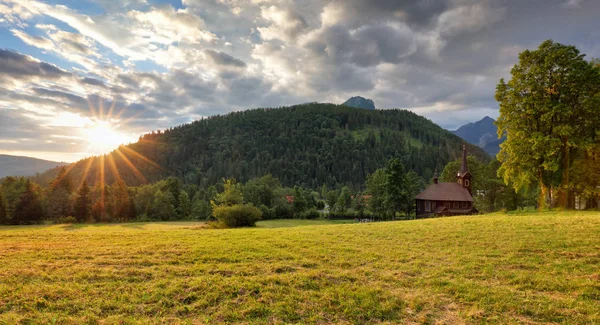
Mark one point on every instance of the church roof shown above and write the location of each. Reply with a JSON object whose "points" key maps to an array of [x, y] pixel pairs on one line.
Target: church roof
{"points": [[445, 192]]}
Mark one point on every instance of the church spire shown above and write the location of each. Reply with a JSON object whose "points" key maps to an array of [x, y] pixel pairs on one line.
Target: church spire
{"points": [[463, 166]]}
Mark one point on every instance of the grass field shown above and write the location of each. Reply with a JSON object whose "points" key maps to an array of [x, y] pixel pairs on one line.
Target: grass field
{"points": [[534, 268]]}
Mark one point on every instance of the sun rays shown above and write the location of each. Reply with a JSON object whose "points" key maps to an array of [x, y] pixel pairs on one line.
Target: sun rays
{"points": [[118, 159]]}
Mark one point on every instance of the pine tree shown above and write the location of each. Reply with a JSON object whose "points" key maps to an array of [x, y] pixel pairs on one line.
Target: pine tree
{"points": [[396, 186], [28, 209], [83, 203], [59, 199]]}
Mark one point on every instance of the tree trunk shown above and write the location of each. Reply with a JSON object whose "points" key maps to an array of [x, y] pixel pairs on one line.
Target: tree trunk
{"points": [[563, 198], [543, 197]]}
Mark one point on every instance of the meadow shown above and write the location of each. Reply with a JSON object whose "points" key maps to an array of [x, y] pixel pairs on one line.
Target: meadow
{"points": [[534, 268]]}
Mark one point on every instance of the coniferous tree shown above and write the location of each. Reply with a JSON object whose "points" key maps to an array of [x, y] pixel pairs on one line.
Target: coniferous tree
{"points": [[83, 203], [58, 201], [396, 187], [28, 209]]}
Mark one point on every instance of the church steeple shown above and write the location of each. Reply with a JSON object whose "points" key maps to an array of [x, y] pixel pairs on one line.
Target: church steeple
{"points": [[463, 166]]}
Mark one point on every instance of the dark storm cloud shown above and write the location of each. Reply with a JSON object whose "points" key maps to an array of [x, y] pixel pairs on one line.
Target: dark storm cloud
{"points": [[224, 59], [18, 66], [368, 46]]}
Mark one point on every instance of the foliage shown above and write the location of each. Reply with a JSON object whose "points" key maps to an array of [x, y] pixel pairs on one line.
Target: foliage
{"points": [[28, 208], [396, 187], [344, 200], [305, 145], [548, 112], [231, 195], [238, 215], [376, 188], [82, 206]]}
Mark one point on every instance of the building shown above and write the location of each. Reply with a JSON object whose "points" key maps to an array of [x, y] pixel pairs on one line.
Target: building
{"points": [[447, 199]]}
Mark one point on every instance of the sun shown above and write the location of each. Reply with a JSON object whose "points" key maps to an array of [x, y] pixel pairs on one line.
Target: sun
{"points": [[103, 136]]}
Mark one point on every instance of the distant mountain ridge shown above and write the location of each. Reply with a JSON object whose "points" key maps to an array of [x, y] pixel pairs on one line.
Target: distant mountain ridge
{"points": [[360, 102], [482, 133], [25, 166]]}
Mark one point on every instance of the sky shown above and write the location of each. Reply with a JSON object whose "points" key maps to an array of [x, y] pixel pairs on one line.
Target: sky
{"points": [[78, 77]]}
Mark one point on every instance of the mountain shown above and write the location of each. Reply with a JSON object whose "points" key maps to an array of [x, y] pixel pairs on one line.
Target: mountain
{"points": [[24, 166], [307, 145], [360, 102], [482, 133]]}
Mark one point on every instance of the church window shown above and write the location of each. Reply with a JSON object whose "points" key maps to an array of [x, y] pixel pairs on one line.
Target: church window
{"points": [[466, 182], [427, 206]]}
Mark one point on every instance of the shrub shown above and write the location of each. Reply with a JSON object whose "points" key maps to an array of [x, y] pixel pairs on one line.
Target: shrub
{"points": [[238, 215], [341, 215], [268, 213], [310, 214], [320, 205], [284, 211], [69, 219]]}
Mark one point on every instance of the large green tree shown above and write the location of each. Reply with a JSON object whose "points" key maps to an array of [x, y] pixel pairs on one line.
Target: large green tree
{"points": [[58, 200], [397, 192], [83, 203], [28, 208], [548, 109]]}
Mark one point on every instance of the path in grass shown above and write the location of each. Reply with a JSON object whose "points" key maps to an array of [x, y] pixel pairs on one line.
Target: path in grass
{"points": [[539, 268]]}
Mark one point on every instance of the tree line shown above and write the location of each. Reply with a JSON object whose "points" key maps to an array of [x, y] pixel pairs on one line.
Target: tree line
{"points": [[388, 193]]}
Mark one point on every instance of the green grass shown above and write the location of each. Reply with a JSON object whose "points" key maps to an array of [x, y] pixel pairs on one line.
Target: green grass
{"points": [[502, 269], [286, 223]]}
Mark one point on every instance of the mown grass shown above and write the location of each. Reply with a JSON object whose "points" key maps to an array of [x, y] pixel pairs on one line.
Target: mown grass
{"points": [[503, 269]]}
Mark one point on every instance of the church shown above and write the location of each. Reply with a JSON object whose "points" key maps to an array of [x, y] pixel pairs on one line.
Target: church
{"points": [[448, 199]]}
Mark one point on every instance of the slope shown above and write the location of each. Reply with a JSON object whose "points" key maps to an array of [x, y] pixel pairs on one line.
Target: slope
{"points": [[24, 166], [482, 133], [306, 145]]}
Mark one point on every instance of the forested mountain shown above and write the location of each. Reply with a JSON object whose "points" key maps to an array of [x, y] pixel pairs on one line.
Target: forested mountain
{"points": [[482, 133], [24, 166], [360, 102], [306, 145]]}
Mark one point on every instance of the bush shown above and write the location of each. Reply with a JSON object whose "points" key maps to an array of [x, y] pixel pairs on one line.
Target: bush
{"points": [[310, 214], [268, 213], [341, 215], [238, 215], [284, 211], [320, 205], [69, 219]]}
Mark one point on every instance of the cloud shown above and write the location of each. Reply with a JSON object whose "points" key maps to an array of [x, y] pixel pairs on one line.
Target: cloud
{"points": [[224, 59], [285, 24], [162, 65], [16, 66]]}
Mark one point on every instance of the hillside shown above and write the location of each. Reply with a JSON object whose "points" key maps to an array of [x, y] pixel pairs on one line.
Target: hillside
{"points": [[482, 133], [499, 269], [24, 166], [360, 102], [306, 145]]}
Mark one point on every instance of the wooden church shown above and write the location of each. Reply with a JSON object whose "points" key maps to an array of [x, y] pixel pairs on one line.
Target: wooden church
{"points": [[448, 199]]}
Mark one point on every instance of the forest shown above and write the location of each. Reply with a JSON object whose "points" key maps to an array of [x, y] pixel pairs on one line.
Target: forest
{"points": [[305, 145]]}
